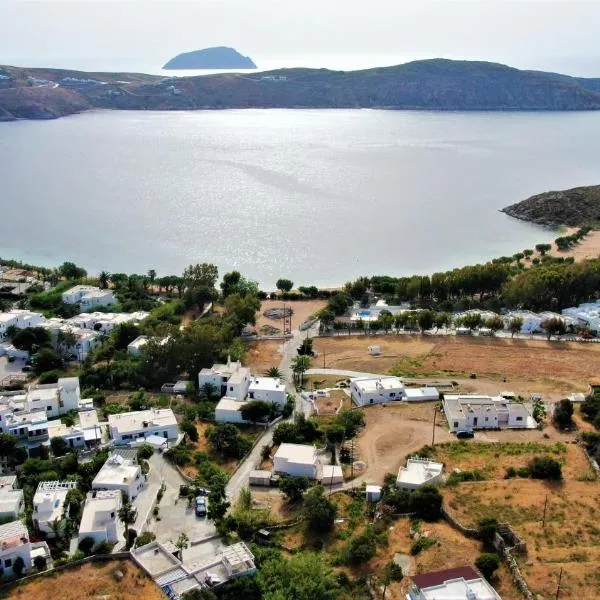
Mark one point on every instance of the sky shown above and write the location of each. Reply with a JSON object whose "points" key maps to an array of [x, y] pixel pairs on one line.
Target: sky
{"points": [[109, 35]]}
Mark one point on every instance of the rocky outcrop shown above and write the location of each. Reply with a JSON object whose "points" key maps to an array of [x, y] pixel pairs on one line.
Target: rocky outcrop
{"points": [[575, 207], [219, 57]]}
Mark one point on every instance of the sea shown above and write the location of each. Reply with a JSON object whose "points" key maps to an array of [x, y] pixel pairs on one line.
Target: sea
{"points": [[317, 196]]}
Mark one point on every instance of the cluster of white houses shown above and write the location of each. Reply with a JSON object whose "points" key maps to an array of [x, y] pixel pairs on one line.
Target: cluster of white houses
{"points": [[236, 386]]}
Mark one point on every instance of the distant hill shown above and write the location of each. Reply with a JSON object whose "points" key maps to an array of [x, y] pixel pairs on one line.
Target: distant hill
{"points": [[219, 57], [574, 207], [436, 84]]}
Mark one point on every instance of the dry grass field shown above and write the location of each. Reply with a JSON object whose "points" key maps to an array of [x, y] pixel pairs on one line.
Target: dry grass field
{"points": [[526, 366], [93, 580], [263, 355], [302, 310]]}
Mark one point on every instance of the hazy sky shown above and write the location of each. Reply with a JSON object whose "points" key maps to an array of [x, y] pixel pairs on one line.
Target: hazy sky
{"points": [[538, 33]]}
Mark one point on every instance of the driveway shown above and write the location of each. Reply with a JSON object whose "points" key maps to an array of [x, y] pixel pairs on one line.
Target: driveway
{"points": [[174, 514]]}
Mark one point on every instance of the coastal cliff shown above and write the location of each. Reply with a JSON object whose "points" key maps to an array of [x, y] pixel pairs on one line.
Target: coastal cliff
{"points": [[574, 208], [437, 84]]}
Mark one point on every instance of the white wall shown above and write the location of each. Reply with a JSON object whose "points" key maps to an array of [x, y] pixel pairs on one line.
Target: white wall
{"points": [[278, 397], [23, 551], [280, 465], [228, 416], [172, 433]]}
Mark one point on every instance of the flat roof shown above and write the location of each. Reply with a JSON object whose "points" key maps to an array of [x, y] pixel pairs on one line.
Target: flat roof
{"points": [[134, 421], [297, 453], [419, 471], [12, 533], [116, 471], [373, 384], [227, 403], [96, 509], [273, 384]]}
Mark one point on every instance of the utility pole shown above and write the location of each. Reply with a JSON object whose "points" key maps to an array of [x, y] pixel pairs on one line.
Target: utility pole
{"points": [[544, 517], [324, 354], [558, 586], [433, 432], [352, 458]]}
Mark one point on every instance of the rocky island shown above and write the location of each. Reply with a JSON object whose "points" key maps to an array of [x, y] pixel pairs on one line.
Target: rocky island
{"points": [[572, 208], [437, 84], [220, 57]]}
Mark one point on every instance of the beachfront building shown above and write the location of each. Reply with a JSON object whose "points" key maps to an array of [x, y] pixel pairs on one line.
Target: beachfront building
{"points": [[462, 583], [100, 517], [231, 379], [127, 427], [418, 472], [88, 297], [122, 474], [267, 389], [15, 546], [11, 498], [49, 505], [297, 460], [466, 412]]}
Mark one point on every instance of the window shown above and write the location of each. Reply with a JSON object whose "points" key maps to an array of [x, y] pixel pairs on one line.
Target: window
{"points": [[371, 401], [112, 515], [231, 388], [49, 408], [8, 562], [455, 424], [392, 394], [519, 418], [251, 395], [165, 434]]}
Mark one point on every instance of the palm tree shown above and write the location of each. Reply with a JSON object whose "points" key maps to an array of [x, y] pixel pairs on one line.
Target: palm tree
{"points": [[127, 516], [274, 372], [300, 365], [152, 276], [57, 527], [182, 543], [103, 279]]}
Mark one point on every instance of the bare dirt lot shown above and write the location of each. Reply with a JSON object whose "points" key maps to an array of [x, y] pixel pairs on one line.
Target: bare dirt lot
{"points": [[525, 366], [263, 355], [392, 433], [93, 580], [337, 400], [589, 247], [302, 310], [570, 539]]}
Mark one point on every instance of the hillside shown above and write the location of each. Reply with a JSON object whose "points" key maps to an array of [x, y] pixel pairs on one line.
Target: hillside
{"points": [[219, 57], [428, 85], [574, 207]]}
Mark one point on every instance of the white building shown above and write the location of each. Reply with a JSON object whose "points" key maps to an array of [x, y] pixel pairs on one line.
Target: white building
{"points": [[88, 297], [135, 348], [85, 340], [21, 319], [49, 504], [228, 410], [465, 412], [462, 583], [100, 517], [531, 321], [230, 379], [105, 322], [86, 431], [298, 460], [119, 473], [267, 389], [55, 398], [375, 390], [11, 498], [418, 472], [127, 427], [31, 428], [14, 544]]}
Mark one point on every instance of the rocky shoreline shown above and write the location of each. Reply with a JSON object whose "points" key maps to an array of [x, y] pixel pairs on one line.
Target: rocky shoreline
{"points": [[570, 208]]}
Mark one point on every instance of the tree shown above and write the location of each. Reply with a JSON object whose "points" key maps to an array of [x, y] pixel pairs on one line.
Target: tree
{"points": [[545, 467], [255, 411], [152, 276], [543, 248], [273, 372], [183, 542], [488, 526], [145, 451], [472, 320], [487, 563], [318, 510], [225, 438], [59, 446], [554, 326], [74, 500], [386, 318], [495, 323], [335, 434], [300, 364], [515, 325], [190, 430], [287, 433], [103, 279], [39, 562], [293, 487], [46, 360], [127, 515], [18, 566], [29, 338], [70, 270], [284, 285], [563, 414], [362, 548], [217, 507], [304, 576], [426, 320], [539, 410], [352, 421], [442, 319], [391, 573], [199, 281], [426, 502]]}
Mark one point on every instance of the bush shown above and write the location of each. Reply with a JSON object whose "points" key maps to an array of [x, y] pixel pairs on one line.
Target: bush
{"points": [[86, 545], [545, 467], [39, 562], [145, 451], [49, 377], [131, 537], [293, 487], [144, 538], [487, 563], [426, 503], [488, 527], [104, 548], [319, 511], [190, 430], [511, 472], [474, 475], [361, 549], [422, 543], [524, 472], [563, 414]]}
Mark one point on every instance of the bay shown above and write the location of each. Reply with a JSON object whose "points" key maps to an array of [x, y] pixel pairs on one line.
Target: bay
{"points": [[319, 196]]}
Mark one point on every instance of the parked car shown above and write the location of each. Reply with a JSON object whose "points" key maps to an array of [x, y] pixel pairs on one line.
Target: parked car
{"points": [[201, 506], [27, 368], [464, 434]]}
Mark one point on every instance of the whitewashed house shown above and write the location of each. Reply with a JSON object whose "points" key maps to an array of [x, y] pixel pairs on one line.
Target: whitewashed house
{"points": [[122, 474], [231, 379], [531, 321], [49, 505], [100, 517], [88, 297], [15, 544], [267, 389], [21, 319], [55, 398], [375, 390], [297, 460], [462, 583], [228, 410], [128, 427], [466, 412], [11, 498], [418, 472], [85, 433], [31, 428]]}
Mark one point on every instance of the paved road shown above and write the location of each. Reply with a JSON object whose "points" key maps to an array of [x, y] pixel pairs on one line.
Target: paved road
{"points": [[341, 373]]}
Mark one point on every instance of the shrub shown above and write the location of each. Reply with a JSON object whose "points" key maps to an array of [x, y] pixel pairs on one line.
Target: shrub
{"points": [[510, 473], [563, 414], [293, 487], [319, 511], [426, 503], [361, 549], [49, 377], [190, 430], [104, 548], [487, 563], [524, 472], [39, 563], [144, 538], [545, 467], [86, 545], [488, 527], [145, 451], [474, 475], [422, 543]]}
